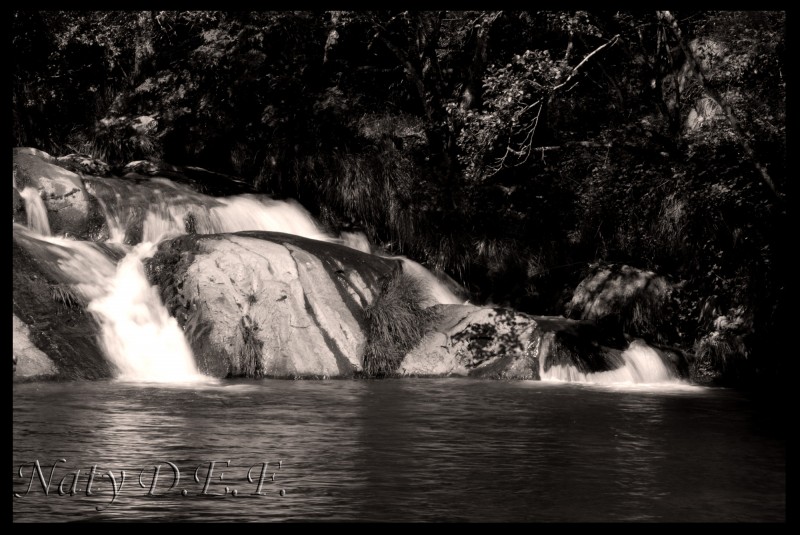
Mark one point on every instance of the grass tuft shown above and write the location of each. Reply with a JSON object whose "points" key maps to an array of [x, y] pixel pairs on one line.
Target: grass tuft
{"points": [[64, 295], [248, 349], [396, 322]]}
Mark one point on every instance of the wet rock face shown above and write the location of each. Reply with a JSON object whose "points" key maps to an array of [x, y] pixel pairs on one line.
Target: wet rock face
{"points": [[53, 335], [263, 304], [18, 207]]}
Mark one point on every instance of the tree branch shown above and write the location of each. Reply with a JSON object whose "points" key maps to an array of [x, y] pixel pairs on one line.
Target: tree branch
{"points": [[577, 67]]}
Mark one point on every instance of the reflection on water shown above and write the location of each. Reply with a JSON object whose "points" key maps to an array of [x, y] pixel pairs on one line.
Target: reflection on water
{"points": [[395, 450]]}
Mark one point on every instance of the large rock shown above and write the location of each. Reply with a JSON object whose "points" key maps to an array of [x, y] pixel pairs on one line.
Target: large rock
{"points": [[626, 299], [475, 341], [29, 361], [269, 304], [70, 208]]}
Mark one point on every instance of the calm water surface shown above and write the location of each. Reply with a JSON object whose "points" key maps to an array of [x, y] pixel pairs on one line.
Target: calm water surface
{"points": [[415, 450]]}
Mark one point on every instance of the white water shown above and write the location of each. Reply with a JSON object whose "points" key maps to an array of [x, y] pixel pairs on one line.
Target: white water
{"points": [[642, 365], [439, 293], [36, 210], [138, 334], [166, 217]]}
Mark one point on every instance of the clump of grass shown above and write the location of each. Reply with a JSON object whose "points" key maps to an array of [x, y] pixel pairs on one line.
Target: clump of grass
{"points": [[396, 322], [248, 348], [190, 223], [194, 327], [65, 296]]}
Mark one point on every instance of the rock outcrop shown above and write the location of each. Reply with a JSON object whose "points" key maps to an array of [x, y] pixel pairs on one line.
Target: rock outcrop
{"points": [[500, 343], [265, 304], [625, 299], [29, 361], [71, 210]]}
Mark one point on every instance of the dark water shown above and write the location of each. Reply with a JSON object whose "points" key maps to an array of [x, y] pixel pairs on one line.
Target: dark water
{"points": [[399, 450]]}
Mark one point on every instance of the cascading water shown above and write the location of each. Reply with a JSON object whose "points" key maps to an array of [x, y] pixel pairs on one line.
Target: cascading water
{"points": [[641, 364], [36, 210], [136, 332], [172, 209]]}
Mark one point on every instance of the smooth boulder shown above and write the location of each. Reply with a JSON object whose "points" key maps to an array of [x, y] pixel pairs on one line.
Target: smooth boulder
{"points": [[266, 304]]}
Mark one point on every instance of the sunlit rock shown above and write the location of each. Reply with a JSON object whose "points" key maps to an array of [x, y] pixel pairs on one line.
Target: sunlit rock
{"points": [[625, 299], [264, 304], [29, 361], [476, 341]]}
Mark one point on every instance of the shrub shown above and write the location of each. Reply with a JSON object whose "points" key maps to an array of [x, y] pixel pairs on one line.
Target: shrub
{"points": [[396, 322]]}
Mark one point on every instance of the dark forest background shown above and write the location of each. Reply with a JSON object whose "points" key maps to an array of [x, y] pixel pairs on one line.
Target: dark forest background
{"points": [[514, 151]]}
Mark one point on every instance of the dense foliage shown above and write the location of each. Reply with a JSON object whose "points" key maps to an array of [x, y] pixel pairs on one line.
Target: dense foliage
{"points": [[511, 150]]}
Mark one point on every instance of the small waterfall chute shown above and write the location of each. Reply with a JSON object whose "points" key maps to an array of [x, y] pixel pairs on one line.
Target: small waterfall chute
{"points": [[137, 332], [36, 211], [639, 364]]}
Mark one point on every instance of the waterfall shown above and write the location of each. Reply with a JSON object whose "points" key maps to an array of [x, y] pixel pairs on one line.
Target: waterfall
{"points": [[137, 333], [173, 209], [36, 210], [641, 364]]}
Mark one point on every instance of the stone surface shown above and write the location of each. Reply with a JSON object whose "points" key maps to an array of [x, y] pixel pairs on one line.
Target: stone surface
{"points": [[475, 341], [29, 361], [297, 302], [627, 299]]}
